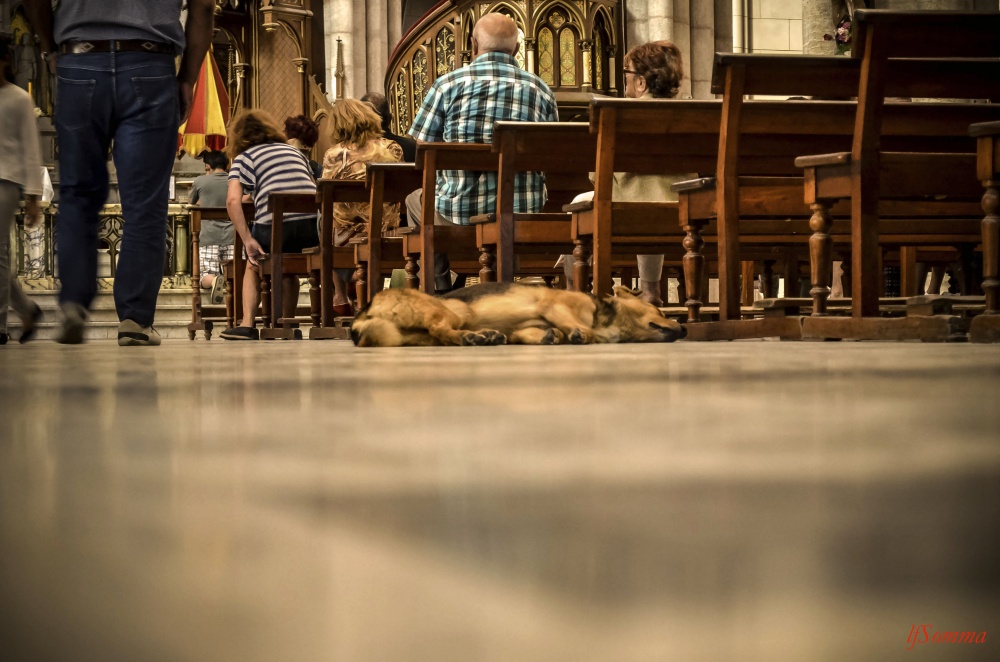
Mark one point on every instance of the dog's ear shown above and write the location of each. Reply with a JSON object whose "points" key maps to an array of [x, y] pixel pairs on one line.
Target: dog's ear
{"points": [[624, 292]]}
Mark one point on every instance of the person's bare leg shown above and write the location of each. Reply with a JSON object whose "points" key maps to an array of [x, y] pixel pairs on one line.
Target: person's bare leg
{"points": [[208, 280], [290, 284], [251, 296], [339, 290]]}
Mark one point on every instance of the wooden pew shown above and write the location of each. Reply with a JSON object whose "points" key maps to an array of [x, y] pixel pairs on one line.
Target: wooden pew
{"points": [[277, 264], [755, 193], [565, 153], [458, 241], [958, 57], [651, 137]]}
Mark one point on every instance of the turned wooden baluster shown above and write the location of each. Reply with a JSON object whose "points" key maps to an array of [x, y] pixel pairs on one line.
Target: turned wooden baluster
{"points": [[694, 268], [361, 284], [265, 299], [991, 246], [315, 312], [581, 270], [820, 256], [488, 262], [412, 269]]}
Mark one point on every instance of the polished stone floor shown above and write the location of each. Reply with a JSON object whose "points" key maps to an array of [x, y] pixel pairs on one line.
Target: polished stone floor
{"points": [[311, 501]]}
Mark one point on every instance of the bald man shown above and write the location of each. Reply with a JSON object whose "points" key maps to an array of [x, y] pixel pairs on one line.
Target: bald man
{"points": [[462, 106]]}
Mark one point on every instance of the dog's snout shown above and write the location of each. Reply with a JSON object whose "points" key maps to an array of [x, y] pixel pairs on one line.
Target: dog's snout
{"points": [[683, 333], [355, 337]]}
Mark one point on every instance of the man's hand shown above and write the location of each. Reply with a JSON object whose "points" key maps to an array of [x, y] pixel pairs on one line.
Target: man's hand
{"points": [[185, 96], [254, 251], [32, 212]]}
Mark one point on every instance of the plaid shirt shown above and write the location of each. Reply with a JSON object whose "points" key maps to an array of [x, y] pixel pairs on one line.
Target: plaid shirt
{"points": [[462, 106]]}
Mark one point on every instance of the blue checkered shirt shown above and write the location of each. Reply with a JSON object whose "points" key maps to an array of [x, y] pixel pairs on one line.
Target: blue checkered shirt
{"points": [[462, 106]]}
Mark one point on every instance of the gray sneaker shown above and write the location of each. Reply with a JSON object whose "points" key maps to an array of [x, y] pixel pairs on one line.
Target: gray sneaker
{"points": [[130, 333], [74, 320]]}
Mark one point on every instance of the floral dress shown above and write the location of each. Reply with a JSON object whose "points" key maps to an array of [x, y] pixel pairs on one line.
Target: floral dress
{"points": [[349, 162]]}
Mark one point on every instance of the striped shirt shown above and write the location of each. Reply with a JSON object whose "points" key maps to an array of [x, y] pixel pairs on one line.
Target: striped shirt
{"points": [[153, 20], [272, 168], [462, 106]]}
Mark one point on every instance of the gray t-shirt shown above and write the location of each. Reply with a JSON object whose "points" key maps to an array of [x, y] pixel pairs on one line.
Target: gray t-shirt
{"points": [[209, 190], [155, 20]]}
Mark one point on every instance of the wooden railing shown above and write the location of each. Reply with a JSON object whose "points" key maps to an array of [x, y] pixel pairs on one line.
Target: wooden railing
{"points": [[573, 45]]}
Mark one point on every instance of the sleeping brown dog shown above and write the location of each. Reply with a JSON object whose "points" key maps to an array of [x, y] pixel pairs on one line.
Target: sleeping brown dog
{"points": [[499, 313]]}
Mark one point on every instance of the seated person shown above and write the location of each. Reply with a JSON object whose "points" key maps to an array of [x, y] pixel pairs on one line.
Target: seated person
{"points": [[381, 106], [215, 241], [264, 163], [303, 133], [653, 70], [356, 136], [462, 106]]}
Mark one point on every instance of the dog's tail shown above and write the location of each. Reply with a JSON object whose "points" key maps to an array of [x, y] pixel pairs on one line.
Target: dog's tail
{"points": [[375, 332]]}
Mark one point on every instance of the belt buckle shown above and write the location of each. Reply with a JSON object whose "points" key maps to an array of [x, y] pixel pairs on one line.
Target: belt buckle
{"points": [[148, 46], [83, 47]]}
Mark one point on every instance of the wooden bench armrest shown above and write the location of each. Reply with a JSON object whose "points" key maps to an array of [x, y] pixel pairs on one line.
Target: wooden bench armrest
{"points": [[820, 160], [700, 184], [983, 129], [574, 207], [483, 218]]}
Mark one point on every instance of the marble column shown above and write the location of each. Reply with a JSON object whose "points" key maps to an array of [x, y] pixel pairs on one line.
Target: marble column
{"points": [[339, 18], [819, 17]]}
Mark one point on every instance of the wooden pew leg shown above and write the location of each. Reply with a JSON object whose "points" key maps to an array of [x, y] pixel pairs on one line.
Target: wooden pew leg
{"points": [[412, 269], [228, 299], [820, 255], [991, 246], [361, 284], [314, 298], [581, 270], [908, 272], [694, 268], [767, 284], [746, 285], [488, 262]]}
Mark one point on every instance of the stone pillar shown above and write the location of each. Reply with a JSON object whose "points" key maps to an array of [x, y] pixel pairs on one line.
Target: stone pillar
{"points": [[585, 46], [819, 17], [339, 19], [377, 45]]}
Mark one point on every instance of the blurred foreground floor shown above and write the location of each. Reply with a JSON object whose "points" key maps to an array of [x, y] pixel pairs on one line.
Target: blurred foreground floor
{"points": [[311, 501]]}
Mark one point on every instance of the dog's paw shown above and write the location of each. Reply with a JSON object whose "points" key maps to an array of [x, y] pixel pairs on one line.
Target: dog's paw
{"points": [[549, 338], [576, 337], [493, 337]]}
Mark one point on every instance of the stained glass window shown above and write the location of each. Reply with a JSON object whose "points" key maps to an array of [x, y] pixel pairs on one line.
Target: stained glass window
{"points": [[545, 56], [567, 57]]}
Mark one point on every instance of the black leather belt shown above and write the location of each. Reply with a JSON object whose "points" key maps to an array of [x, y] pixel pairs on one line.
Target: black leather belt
{"points": [[116, 45]]}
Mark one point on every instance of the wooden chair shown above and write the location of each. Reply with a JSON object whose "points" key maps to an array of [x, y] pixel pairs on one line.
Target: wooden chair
{"points": [[564, 152], [951, 55], [277, 264], [458, 241], [387, 183], [650, 137], [321, 263], [199, 320]]}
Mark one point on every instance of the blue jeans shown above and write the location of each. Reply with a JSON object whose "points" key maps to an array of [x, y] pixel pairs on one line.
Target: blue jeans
{"points": [[127, 102]]}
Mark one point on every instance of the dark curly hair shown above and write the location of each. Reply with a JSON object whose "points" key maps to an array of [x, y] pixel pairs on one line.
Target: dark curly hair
{"points": [[381, 106], [302, 129], [660, 64], [250, 128]]}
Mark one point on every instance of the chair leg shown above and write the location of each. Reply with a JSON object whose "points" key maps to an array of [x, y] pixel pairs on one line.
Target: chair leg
{"points": [[694, 268], [412, 269], [488, 262], [581, 270], [746, 285], [228, 299], [991, 246], [820, 255], [767, 284], [265, 299], [361, 284], [315, 308]]}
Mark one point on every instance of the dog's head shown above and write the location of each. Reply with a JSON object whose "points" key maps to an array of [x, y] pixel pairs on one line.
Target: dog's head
{"points": [[625, 317]]}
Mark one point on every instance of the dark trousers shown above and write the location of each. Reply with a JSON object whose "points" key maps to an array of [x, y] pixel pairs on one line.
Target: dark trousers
{"points": [[128, 100]]}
